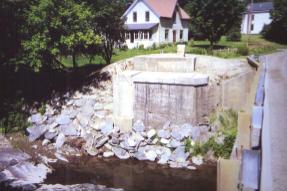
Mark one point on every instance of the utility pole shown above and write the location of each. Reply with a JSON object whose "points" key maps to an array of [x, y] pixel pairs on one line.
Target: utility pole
{"points": [[249, 20]]}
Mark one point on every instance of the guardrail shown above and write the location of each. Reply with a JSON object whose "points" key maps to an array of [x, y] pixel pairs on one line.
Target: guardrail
{"points": [[251, 159]]}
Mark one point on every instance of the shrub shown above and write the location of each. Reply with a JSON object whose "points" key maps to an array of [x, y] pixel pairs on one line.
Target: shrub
{"points": [[243, 50], [124, 47], [153, 47], [141, 47], [234, 36], [15, 119], [226, 123]]}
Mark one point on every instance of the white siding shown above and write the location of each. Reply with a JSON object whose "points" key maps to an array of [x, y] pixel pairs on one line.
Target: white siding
{"points": [[260, 19], [171, 26], [141, 8]]}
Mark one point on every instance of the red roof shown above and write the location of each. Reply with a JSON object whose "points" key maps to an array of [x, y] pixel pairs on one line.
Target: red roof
{"points": [[165, 8]]}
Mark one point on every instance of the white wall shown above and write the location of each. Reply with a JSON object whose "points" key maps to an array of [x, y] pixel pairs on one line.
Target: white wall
{"points": [[171, 26], [260, 19], [141, 8]]}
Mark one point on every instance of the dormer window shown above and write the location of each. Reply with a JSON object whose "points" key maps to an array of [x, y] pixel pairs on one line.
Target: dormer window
{"points": [[135, 17], [147, 16]]}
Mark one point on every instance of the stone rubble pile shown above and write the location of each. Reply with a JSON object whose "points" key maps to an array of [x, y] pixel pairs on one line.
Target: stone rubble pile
{"points": [[86, 118]]}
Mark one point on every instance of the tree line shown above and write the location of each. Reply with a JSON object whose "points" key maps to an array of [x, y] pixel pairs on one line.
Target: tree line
{"points": [[39, 32]]}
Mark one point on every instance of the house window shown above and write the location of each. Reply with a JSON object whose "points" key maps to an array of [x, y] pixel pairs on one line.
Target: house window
{"points": [[181, 34], [136, 35], [145, 34], [127, 35], [252, 17], [252, 27], [147, 16], [166, 34], [135, 16]]}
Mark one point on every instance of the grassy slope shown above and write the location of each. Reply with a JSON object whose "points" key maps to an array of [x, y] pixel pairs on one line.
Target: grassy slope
{"points": [[257, 45]]}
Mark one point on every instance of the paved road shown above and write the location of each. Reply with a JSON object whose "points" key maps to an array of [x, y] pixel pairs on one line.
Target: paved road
{"points": [[274, 139]]}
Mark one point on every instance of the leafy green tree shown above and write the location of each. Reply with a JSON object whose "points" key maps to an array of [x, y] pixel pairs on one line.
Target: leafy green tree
{"points": [[56, 28], [277, 30], [214, 18], [109, 23]]}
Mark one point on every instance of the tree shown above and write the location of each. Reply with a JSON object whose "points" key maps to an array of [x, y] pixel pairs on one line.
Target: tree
{"points": [[109, 23], [277, 30], [56, 28], [214, 18], [11, 19]]}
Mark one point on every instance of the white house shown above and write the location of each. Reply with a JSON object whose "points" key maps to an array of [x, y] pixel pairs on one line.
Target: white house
{"points": [[256, 16], [151, 22]]}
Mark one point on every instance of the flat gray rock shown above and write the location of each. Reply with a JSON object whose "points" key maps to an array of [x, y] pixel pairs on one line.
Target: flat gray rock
{"points": [[164, 133], [138, 126], [179, 155], [107, 128], [121, 153], [68, 130], [36, 132], [50, 135], [101, 141], [87, 110], [63, 120], [60, 140], [164, 158], [176, 134], [25, 173], [7, 154], [83, 120], [38, 118]]}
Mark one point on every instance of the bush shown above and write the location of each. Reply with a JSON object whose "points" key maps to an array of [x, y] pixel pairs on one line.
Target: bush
{"points": [[153, 47], [234, 36], [124, 47], [15, 119], [141, 47], [243, 50]]}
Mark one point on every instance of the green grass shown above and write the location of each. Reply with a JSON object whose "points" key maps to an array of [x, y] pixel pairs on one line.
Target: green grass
{"points": [[252, 44]]}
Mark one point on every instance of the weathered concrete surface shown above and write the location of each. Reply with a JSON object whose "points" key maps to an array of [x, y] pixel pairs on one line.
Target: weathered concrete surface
{"points": [[157, 103], [274, 169], [243, 136], [155, 97], [165, 87], [227, 174], [173, 78], [238, 93]]}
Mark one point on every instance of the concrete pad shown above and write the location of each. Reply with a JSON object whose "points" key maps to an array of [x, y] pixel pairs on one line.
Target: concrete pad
{"points": [[191, 79], [227, 174]]}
